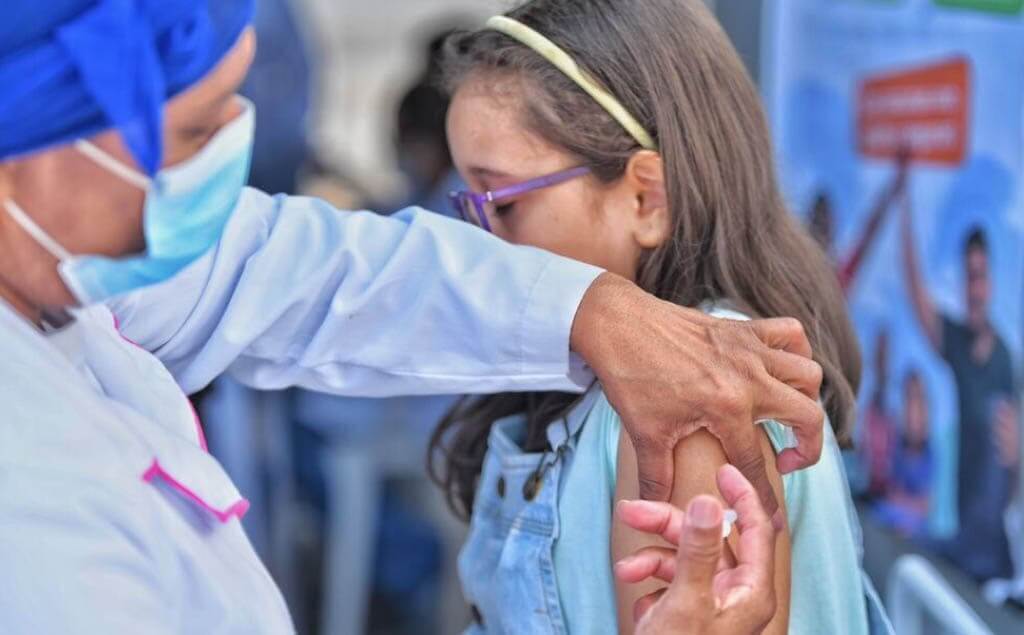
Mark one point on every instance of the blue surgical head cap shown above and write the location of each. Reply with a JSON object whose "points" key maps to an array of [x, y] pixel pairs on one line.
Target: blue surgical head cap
{"points": [[72, 68]]}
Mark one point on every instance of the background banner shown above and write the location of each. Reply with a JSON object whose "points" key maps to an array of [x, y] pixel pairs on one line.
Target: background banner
{"points": [[900, 131]]}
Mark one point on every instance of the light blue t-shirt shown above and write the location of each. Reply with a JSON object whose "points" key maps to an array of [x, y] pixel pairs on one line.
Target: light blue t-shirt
{"points": [[827, 593]]}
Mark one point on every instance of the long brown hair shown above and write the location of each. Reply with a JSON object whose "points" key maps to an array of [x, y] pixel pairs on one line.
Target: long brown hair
{"points": [[674, 69]]}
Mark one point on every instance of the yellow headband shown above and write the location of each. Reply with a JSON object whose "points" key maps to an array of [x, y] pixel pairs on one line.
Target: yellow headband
{"points": [[563, 62]]}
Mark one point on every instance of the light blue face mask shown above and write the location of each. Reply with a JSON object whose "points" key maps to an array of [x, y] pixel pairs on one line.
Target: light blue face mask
{"points": [[187, 207]]}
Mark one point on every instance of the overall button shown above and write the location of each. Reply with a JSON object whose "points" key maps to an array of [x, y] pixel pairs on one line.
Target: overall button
{"points": [[501, 487], [532, 487]]}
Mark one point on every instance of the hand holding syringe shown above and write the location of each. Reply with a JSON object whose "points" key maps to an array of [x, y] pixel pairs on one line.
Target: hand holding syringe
{"points": [[743, 592]]}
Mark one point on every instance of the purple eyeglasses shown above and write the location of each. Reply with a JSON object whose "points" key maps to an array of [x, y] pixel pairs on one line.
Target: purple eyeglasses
{"points": [[472, 206]]}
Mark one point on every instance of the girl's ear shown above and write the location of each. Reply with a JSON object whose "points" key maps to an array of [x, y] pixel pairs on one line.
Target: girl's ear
{"points": [[645, 175]]}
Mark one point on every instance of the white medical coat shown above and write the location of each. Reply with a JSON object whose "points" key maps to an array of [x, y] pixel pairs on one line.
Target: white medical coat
{"points": [[115, 519]]}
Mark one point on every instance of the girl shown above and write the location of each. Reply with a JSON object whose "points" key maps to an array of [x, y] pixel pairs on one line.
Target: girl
{"points": [[627, 134]]}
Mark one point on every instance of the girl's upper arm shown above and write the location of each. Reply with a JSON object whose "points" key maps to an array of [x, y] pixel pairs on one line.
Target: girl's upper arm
{"points": [[697, 460]]}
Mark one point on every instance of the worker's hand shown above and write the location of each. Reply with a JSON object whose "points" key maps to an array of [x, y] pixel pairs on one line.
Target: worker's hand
{"points": [[706, 595], [670, 371]]}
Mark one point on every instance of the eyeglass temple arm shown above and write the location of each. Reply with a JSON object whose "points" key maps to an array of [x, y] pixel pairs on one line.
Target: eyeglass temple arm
{"points": [[535, 184]]}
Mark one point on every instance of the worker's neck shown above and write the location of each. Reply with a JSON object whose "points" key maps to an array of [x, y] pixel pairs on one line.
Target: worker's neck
{"points": [[19, 304], [29, 280]]}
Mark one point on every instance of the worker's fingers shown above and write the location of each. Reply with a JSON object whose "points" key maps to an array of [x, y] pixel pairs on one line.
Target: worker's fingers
{"points": [[699, 551], [788, 406], [743, 600], [644, 604], [647, 563], [799, 372], [660, 519], [745, 593], [742, 447], [756, 551], [784, 334], [791, 397], [655, 467]]}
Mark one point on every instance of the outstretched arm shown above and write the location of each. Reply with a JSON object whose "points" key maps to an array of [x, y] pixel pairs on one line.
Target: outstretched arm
{"points": [[849, 268], [301, 294], [922, 303], [298, 293]]}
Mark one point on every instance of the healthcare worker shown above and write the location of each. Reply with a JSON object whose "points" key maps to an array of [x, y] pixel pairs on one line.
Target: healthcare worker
{"points": [[134, 268]]}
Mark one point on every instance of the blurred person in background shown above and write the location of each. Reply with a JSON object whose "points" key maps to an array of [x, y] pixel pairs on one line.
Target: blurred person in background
{"points": [[326, 181], [821, 223], [671, 154], [424, 159], [280, 83], [136, 268], [988, 451], [420, 143], [906, 503], [404, 595], [879, 428]]}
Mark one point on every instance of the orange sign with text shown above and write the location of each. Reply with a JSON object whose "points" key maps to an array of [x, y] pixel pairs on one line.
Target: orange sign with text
{"points": [[923, 111]]}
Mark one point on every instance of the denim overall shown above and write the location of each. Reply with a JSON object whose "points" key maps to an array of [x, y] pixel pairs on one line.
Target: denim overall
{"points": [[507, 563]]}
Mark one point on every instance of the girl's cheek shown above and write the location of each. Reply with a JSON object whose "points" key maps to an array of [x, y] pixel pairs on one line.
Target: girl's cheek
{"points": [[512, 229], [501, 228]]}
